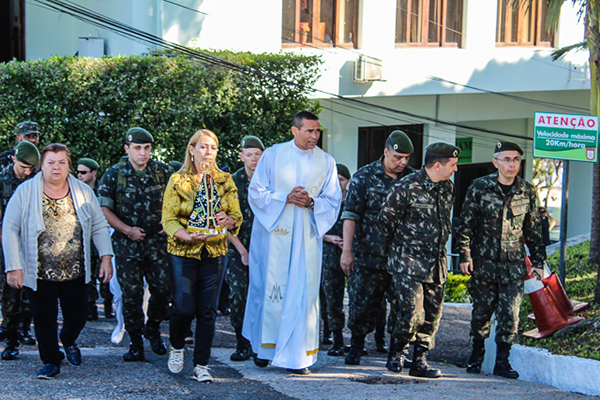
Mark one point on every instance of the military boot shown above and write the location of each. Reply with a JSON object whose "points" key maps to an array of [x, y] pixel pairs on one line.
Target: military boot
{"points": [[337, 350], [11, 351], [356, 350], [25, 331], [502, 367], [476, 359], [92, 311], [380, 339], [397, 356], [242, 352], [420, 366], [136, 347], [152, 333], [326, 334]]}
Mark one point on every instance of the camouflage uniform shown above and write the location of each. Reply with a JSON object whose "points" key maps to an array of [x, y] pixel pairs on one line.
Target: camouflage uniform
{"points": [[333, 281], [367, 191], [416, 221], [15, 305], [141, 206], [236, 274], [493, 226], [95, 270], [6, 158]]}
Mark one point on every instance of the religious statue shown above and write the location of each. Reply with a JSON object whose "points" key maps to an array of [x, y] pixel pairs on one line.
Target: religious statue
{"points": [[207, 204]]}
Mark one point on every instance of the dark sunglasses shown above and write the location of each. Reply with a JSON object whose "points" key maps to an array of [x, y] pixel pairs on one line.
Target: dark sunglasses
{"points": [[82, 172]]}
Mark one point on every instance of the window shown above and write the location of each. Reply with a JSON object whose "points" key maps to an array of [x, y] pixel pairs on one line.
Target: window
{"points": [[371, 142], [429, 23], [320, 23], [525, 26]]}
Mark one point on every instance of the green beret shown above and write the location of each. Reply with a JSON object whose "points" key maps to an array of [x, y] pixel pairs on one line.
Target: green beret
{"points": [[401, 143], [252, 142], [27, 127], [176, 165], [138, 135], [88, 162], [441, 149], [507, 146], [27, 153], [343, 171]]}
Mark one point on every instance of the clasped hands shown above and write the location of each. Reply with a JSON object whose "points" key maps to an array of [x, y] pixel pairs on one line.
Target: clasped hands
{"points": [[298, 197]]}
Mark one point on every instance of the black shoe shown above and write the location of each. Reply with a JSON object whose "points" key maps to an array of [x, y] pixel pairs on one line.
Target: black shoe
{"points": [[420, 366], [240, 354], [225, 311], [259, 362], [503, 367], [26, 338], [338, 345], [301, 371], [48, 371], [10, 352], [108, 310], [327, 336], [353, 358], [152, 333], [134, 354], [476, 359], [397, 357], [73, 354], [336, 351]]}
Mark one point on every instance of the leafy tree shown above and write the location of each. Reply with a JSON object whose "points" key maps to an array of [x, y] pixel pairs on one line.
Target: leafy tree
{"points": [[88, 104], [589, 11], [546, 173]]}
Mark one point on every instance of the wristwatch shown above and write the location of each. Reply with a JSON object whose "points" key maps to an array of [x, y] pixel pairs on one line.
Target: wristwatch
{"points": [[311, 205]]}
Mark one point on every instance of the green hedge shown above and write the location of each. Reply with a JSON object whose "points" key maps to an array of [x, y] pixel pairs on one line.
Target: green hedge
{"points": [[456, 289], [88, 104]]}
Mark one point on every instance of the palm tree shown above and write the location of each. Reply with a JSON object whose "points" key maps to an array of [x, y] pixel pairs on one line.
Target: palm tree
{"points": [[589, 11]]}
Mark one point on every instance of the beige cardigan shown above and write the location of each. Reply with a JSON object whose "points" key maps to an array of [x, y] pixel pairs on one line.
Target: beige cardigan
{"points": [[23, 223]]}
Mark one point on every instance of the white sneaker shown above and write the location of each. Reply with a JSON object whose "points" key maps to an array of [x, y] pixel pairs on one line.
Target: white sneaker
{"points": [[201, 374], [175, 360]]}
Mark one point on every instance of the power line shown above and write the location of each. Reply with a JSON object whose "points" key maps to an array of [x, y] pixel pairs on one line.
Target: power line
{"points": [[185, 7]]}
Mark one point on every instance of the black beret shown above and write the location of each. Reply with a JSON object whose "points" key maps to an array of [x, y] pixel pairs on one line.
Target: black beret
{"points": [[88, 162], [343, 171], [401, 143], [138, 135], [27, 153], [252, 142], [27, 127], [507, 146], [441, 149]]}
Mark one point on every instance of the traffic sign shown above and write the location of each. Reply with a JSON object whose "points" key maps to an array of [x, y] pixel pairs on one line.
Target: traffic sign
{"points": [[565, 136]]}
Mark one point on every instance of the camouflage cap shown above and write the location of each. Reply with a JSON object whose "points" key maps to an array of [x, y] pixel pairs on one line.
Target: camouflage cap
{"points": [[27, 153], [176, 165], [401, 143], [343, 171], [252, 142], [27, 127], [441, 149], [507, 146], [139, 135], [88, 162]]}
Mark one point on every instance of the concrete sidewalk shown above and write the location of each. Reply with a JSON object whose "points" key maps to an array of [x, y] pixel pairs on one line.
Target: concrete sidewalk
{"points": [[104, 375]]}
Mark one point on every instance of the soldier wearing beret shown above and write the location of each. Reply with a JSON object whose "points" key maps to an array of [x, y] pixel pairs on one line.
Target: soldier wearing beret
{"points": [[364, 244], [26, 131], [236, 275], [131, 196], [333, 279], [417, 222], [87, 171], [16, 316], [499, 213]]}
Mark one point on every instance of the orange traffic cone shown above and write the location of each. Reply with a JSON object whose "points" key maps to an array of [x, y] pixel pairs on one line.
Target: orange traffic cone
{"points": [[559, 293], [549, 316]]}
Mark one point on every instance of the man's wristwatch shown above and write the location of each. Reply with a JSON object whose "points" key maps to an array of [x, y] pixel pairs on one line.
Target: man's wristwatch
{"points": [[311, 205]]}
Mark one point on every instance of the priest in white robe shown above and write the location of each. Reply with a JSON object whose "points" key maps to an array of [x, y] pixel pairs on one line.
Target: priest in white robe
{"points": [[295, 197]]}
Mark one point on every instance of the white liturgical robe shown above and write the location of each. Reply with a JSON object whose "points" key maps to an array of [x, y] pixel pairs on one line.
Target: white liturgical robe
{"points": [[282, 310]]}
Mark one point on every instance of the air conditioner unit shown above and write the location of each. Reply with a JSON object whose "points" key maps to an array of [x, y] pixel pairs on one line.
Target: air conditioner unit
{"points": [[367, 69]]}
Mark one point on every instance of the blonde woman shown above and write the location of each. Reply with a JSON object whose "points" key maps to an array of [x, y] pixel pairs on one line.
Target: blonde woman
{"points": [[197, 261]]}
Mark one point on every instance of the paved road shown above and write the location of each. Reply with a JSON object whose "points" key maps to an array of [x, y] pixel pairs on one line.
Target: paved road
{"points": [[104, 375]]}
